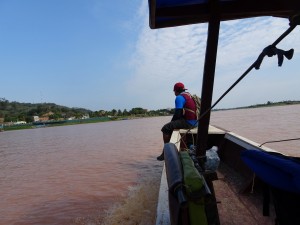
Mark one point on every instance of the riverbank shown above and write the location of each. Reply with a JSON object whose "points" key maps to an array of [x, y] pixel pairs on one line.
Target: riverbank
{"points": [[55, 123], [64, 123], [116, 118], [268, 104]]}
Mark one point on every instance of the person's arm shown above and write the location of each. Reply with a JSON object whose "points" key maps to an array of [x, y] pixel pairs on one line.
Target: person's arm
{"points": [[178, 114], [179, 104]]}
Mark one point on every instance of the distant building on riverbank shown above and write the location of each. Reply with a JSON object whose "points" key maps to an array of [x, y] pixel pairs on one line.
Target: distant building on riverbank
{"points": [[19, 122], [44, 117]]}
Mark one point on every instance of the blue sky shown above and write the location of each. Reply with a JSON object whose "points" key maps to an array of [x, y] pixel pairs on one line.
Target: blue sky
{"points": [[103, 55]]}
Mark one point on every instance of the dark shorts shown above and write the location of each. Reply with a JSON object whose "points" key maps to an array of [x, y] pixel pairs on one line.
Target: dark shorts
{"points": [[176, 124]]}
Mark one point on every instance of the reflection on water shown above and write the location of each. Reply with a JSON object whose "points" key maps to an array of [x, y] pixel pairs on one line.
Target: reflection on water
{"points": [[75, 174]]}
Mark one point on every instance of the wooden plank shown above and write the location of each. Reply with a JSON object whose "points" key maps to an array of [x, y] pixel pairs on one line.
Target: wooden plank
{"points": [[237, 208], [162, 211], [212, 130], [175, 138]]}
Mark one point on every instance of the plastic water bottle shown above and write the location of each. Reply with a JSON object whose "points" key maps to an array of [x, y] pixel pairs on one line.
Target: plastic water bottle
{"points": [[212, 159]]}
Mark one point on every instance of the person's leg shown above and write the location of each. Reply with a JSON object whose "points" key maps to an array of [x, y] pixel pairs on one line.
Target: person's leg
{"points": [[166, 138], [167, 131], [161, 157]]}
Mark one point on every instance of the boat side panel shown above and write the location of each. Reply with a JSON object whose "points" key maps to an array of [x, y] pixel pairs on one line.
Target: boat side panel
{"points": [[230, 150], [230, 154], [163, 214]]}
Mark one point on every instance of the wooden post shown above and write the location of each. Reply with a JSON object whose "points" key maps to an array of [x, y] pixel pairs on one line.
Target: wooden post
{"points": [[208, 77]]}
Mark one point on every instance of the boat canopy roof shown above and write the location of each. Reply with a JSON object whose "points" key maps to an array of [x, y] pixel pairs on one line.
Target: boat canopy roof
{"points": [[170, 13]]}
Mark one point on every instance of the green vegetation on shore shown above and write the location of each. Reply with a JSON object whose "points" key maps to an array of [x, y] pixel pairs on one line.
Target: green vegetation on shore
{"points": [[16, 111], [12, 112], [50, 114]]}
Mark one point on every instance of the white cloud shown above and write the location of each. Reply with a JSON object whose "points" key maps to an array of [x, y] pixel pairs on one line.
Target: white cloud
{"points": [[165, 56]]}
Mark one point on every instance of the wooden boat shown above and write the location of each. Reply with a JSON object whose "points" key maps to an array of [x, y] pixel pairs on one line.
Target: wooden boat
{"points": [[253, 184]]}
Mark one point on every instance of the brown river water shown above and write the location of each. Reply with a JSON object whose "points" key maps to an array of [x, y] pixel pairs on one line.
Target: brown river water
{"points": [[107, 173]]}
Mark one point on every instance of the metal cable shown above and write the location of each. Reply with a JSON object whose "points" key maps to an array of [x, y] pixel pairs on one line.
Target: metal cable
{"points": [[254, 65], [291, 139]]}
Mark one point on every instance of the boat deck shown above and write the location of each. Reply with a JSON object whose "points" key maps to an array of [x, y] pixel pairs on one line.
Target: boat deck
{"points": [[236, 206]]}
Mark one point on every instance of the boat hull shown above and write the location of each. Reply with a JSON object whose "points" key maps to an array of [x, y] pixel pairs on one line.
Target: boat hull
{"points": [[240, 195]]}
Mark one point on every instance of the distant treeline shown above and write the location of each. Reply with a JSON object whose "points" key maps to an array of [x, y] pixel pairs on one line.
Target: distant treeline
{"points": [[16, 111], [289, 102]]}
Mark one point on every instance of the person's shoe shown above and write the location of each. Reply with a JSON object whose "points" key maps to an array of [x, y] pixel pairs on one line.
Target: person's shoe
{"points": [[161, 157]]}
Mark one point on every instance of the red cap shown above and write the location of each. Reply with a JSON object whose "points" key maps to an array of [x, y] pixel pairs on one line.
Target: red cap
{"points": [[179, 86]]}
